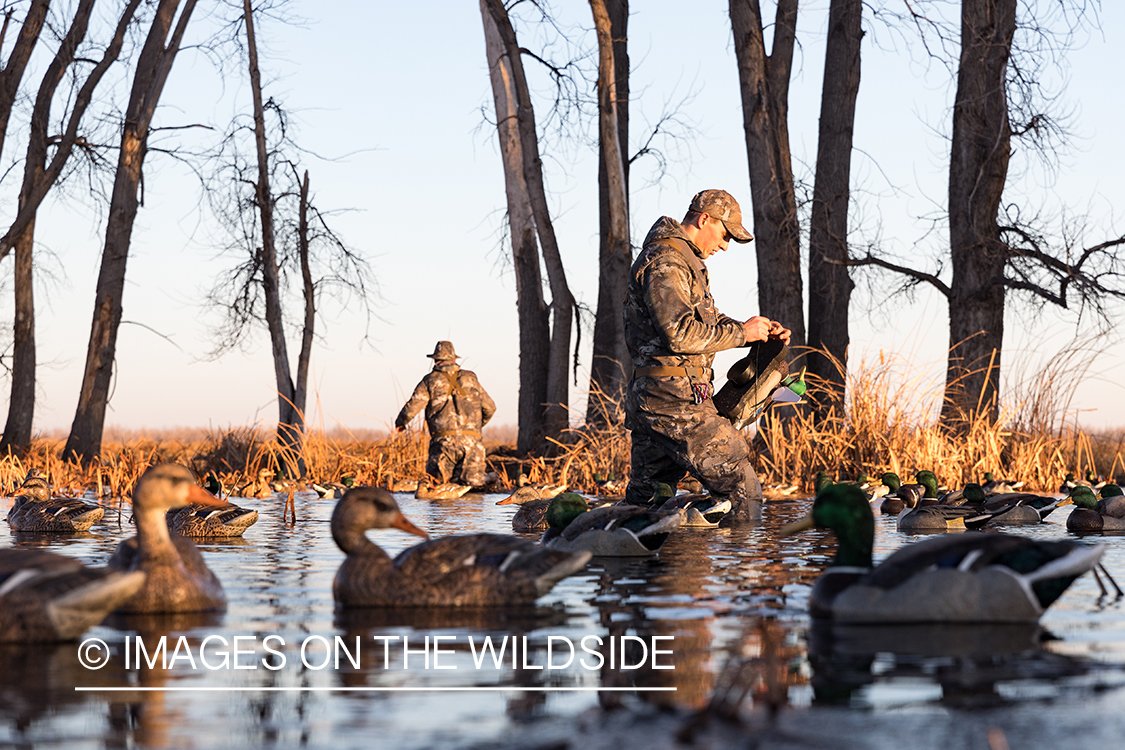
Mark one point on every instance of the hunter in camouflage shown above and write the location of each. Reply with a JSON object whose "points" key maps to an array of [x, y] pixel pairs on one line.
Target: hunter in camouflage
{"points": [[456, 410], [673, 331]]}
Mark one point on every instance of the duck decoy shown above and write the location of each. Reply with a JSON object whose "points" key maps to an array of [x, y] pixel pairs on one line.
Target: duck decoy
{"points": [[427, 490], [1092, 514], [899, 496], [987, 577], [403, 485], [533, 502], [700, 509], [1015, 507], [178, 578], [46, 597], [200, 521], [336, 490], [994, 486], [35, 510], [944, 518], [610, 531], [460, 571]]}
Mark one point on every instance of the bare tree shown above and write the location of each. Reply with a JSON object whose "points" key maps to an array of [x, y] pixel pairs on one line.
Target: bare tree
{"points": [[991, 248], [153, 66], [610, 366], [830, 286], [38, 176], [764, 84], [14, 67], [529, 218], [265, 203]]}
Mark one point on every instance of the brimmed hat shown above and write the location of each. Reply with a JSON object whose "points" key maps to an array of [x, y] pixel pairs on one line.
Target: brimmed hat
{"points": [[721, 205], [443, 352]]}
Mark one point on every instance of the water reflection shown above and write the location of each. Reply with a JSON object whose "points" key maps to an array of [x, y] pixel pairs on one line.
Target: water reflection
{"points": [[733, 600]]}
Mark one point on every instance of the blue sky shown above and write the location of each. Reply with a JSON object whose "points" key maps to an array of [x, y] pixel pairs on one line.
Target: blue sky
{"points": [[393, 102]]}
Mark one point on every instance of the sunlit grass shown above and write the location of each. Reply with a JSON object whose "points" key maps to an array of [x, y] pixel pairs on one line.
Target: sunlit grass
{"points": [[887, 423]]}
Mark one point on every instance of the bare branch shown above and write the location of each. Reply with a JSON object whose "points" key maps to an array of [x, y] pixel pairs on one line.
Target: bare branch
{"points": [[918, 276]]}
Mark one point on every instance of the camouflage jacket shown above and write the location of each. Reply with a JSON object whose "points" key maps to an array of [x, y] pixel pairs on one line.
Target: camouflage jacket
{"points": [[670, 317], [453, 399]]}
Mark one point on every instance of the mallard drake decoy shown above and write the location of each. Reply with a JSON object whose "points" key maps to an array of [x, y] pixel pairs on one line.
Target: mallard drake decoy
{"points": [[336, 490], [1022, 507], [963, 578], [533, 502], [899, 496], [821, 480], [469, 570], [35, 510], [1107, 514], [994, 486], [46, 597], [610, 531], [178, 578], [944, 518], [427, 490], [700, 509], [199, 521]]}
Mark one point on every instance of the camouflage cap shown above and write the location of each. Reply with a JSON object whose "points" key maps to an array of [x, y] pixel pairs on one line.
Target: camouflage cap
{"points": [[721, 205], [443, 352]]}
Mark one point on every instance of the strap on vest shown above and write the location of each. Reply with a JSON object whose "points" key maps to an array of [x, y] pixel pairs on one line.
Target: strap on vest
{"points": [[664, 371]]}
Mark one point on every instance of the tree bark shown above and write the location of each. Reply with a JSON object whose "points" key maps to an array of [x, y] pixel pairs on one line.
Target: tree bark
{"points": [[153, 67], [300, 393], [830, 286], [21, 404], [290, 421], [611, 366], [764, 84], [978, 170], [531, 309], [555, 414], [12, 73]]}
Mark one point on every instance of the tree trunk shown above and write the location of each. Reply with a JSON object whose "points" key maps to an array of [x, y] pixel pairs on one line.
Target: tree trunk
{"points": [[308, 288], [513, 102], [830, 286], [978, 169], [153, 67], [12, 73], [611, 366], [764, 83], [290, 421], [21, 404]]}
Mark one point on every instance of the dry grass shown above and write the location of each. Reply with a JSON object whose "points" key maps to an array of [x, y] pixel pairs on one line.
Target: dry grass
{"points": [[887, 423]]}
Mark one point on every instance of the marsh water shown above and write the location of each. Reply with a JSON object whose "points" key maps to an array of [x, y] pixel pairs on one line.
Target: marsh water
{"points": [[676, 623]]}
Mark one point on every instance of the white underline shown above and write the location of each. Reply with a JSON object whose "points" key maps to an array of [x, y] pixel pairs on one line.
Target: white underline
{"points": [[486, 689]]}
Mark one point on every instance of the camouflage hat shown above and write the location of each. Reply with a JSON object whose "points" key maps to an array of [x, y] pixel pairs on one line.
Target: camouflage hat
{"points": [[443, 352], [721, 205]]}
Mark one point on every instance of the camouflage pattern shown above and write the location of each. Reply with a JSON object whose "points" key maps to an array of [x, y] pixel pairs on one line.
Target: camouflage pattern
{"points": [[671, 320], [457, 408], [721, 205]]}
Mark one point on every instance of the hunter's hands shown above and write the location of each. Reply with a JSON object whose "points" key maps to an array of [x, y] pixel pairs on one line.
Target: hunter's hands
{"points": [[759, 328]]}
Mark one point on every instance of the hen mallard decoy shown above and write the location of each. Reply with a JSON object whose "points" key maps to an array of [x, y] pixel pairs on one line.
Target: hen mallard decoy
{"points": [[35, 510], [964, 578], [427, 490], [460, 571], [700, 509], [1092, 514], [178, 578], [533, 502], [610, 531], [199, 521], [944, 518], [46, 597]]}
